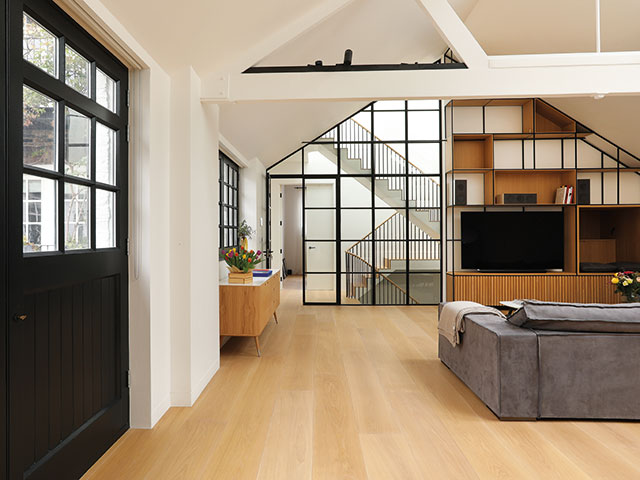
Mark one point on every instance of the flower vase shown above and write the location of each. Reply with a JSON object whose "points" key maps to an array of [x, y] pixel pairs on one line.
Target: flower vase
{"points": [[238, 276], [631, 298], [244, 243]]}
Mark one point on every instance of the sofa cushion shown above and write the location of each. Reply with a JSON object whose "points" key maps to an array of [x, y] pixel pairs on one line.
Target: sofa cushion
{"points": [[578, 317]]}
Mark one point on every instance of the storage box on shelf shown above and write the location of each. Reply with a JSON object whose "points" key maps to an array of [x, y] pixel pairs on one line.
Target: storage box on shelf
{"points": [[502, 146]]}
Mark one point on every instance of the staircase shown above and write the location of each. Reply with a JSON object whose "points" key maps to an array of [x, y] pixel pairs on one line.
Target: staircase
{"points": [[370, 261]]}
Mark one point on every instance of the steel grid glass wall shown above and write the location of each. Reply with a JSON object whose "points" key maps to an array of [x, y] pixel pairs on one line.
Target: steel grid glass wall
{"points": [[371, 206]]}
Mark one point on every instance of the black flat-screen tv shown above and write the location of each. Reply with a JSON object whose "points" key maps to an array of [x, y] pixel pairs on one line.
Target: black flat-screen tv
{"points": [[512, 241]]}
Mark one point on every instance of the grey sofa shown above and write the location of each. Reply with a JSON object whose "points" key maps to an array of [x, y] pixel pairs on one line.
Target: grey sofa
{"points": [[521, 372]]}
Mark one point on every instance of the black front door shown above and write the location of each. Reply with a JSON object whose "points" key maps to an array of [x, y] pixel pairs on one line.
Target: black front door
{"points": [[68, 397]]}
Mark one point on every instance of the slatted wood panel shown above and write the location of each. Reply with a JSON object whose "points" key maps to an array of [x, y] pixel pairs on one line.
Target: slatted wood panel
{"points": [[66, 352], [492, 289]]}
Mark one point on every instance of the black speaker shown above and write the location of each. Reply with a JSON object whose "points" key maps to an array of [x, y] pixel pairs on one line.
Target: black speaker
{"points": [[583, 194], [515, 198], [460, 192]]}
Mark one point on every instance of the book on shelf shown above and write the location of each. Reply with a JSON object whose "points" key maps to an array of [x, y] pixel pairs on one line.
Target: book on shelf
{"points": [[564, 195]]}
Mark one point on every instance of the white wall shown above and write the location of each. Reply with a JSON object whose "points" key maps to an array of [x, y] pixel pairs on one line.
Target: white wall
{"points": [[292, 228], [149, 266], [194, 237]]}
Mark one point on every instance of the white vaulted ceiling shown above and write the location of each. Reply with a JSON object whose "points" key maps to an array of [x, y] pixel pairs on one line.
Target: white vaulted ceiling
{"points": [[507, 27], [214, 36]]}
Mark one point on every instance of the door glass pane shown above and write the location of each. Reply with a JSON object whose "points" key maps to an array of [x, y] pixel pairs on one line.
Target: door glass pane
{"points": [[320, 193], [424, 288], [76, 216], [355, 224], [320, 257], [39, 214], [105, 154], [320, 224], [391, 289], [105, 90], [389, 105], [424, 158], [38, 129], [424, 125], [389, 126], [356, 288], [424, 104], [355, 192], [39, 45], [77, 71], [105, 219], [322, 159], [320, 288], [77, 140]]}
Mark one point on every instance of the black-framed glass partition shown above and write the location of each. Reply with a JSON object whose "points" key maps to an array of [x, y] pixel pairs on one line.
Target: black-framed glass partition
{"points": [[370, 207]]}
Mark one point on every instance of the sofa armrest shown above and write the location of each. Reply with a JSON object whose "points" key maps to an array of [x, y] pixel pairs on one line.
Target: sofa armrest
{"points": [[498, 361]]}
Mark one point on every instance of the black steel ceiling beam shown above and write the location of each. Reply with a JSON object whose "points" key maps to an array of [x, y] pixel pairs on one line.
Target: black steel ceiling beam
{"points": [[341, 67]]}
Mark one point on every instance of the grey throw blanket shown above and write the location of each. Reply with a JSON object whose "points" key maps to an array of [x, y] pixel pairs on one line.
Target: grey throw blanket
{"points": [[451, 321]]}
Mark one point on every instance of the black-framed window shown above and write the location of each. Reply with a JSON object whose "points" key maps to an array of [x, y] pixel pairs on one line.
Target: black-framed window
{"points": [[229, 194], [71, 137]]}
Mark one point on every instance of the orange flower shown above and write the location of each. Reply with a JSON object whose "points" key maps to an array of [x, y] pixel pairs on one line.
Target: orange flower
{"points": [[249, 260]]}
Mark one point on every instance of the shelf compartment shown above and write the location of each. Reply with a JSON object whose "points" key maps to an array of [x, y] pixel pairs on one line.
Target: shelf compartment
{"points": [[608, 234], [550, 120], [472, 151], [544, 183]]}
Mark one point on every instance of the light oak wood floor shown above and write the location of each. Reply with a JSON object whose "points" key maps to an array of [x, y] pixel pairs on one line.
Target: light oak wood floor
{"points": [[357, 392]]}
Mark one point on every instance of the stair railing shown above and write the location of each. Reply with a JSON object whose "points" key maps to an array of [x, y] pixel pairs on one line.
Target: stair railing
{"points": [[390, 243], [359, 284], [424, 191]]}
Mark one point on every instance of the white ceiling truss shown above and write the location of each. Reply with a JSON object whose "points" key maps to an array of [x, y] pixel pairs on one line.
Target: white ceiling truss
{"points": [[504, 76]]}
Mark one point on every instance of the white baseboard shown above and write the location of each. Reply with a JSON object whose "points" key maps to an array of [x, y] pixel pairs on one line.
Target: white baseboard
{"points": [[159, 410], [206, 378], [187, 399]]}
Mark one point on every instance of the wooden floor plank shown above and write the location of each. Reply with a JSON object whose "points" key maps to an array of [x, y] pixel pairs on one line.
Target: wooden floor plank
{"points": [[298, 369], [288, 449], [336, 446], [388, 457]]}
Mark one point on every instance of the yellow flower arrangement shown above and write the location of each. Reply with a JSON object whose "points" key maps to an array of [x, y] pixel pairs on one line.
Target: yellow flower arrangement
{"points": [[628, 285]]}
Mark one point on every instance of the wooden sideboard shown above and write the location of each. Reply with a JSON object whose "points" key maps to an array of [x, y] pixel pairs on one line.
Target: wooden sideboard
{"points": [[245, 309], [491, 289]]}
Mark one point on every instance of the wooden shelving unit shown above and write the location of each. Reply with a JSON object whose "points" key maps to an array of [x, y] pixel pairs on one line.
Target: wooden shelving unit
{"points": [[543, 150]]}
